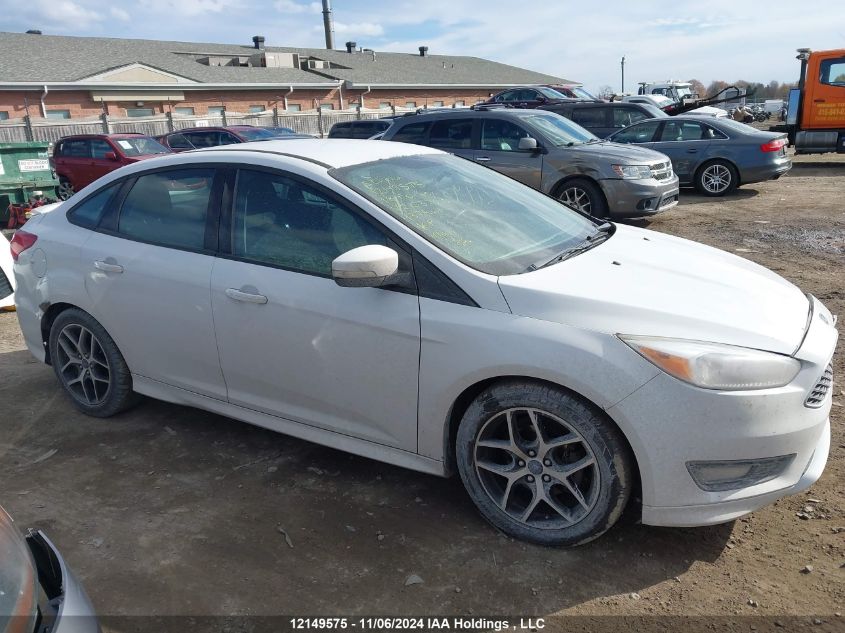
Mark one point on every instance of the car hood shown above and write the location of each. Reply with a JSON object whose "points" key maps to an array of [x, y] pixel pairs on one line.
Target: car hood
{"points": [[620, 152], [648, 283]]}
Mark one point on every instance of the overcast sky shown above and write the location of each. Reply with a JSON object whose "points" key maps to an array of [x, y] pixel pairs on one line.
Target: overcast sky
{"points": [[583, 41]]}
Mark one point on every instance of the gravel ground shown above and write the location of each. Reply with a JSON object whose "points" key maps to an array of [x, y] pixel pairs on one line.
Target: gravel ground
{"points": [[171, 511]]}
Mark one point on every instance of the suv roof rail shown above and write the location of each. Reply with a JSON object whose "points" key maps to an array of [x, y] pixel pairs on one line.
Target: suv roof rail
{"points": [[490, 106]]}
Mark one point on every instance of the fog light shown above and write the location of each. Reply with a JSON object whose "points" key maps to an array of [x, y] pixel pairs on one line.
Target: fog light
{"points": [[735, 474]]}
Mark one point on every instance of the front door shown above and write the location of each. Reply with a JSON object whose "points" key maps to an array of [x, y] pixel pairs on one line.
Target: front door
{"points": [[824, 107], [686, 143], [292, 342], [499, 150]]}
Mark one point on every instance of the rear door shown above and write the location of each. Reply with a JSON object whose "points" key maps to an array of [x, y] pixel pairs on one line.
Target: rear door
{"points": [[74, 162], [292, 342], [499, 150], [686, 143], [147, 275]]}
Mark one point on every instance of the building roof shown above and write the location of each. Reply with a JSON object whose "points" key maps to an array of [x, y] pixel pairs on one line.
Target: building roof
{"points": [[62, 59]]}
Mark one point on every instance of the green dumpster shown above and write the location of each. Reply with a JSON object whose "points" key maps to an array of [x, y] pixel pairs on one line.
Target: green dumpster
{"points": [[24, 171]]}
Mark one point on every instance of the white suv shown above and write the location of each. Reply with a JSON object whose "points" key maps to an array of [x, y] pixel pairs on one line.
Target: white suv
{"points": [[407, 305]]}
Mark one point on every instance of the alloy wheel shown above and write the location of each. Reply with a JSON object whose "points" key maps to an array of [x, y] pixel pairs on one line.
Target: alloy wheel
{"points": [[83, 365], [716, 178], [537, 468], [577, 198], [65, 189]]}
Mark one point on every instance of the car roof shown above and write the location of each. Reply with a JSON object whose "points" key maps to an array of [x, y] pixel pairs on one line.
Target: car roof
{"points": [[329, 152], [114, 135]]}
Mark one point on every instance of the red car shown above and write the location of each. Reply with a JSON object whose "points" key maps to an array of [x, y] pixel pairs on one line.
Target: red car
{"points": [[79, 160]]}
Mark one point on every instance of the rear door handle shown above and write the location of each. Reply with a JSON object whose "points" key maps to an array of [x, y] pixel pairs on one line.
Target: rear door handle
{"points": [[483, 159], [246, 297], [107, 267]]}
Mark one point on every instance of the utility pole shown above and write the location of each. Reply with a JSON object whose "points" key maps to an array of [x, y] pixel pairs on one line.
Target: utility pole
{"points": [[328, 24], [623, 74]]}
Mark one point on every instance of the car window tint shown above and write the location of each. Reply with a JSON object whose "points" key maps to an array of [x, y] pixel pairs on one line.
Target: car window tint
{"points": [[589, 117], [178, 141], [711, 133], [226, 138], [78, 148], [280, 221], [413, 133], [681, 131], [527, 95], [510, 95], [168, 208], [639, 133], [501, 136], [203, 139], [623, 117], [89, 212], [100, 148], [452, 134]]}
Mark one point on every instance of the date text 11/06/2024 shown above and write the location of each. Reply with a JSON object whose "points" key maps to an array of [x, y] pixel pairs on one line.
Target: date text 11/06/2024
{"points": [[417, 624]]}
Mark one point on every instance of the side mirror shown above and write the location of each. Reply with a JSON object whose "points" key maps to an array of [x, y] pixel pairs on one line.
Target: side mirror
{"points": [[365, 267], [110, 156], [541, 99], [528, 144]]}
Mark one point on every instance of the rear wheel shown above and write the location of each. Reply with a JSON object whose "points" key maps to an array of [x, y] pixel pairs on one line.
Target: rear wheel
{"points": [[89, 366], [716, 178], [583, 195], [65, 189], [542, 465]]}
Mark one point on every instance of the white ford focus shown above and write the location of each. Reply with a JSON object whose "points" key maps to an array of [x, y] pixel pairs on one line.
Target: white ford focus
{"points": [[407, 305]]}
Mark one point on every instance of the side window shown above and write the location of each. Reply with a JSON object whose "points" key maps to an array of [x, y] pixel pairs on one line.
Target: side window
{"points": [[507, 97], [203, 139], [100, 148], [711, 133], [640, 133], [590, 117], [78, 148], [179, 141], [452, 134], [681, 131], [527, 95], [500, 135], [833, 72], [228, 139], [278, 220], [623, 116], [416, 133], [89, 212], [168, 208]]}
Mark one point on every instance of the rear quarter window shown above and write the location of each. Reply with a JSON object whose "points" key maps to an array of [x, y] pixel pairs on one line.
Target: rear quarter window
{"points": [[90, 211]]}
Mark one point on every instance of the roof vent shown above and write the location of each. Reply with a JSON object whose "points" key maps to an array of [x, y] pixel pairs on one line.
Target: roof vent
{"points": [[423, 51], [350, 47], [34, 32], [258, 41]]}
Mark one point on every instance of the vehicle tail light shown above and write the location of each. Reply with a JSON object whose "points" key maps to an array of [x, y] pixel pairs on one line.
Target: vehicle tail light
{"points": [[22, 241], [774, 145]]}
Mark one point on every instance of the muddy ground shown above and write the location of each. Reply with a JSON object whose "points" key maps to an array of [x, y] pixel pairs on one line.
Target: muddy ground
{"points": [[168, 510]]}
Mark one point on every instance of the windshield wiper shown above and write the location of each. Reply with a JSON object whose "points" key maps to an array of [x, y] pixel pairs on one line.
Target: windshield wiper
{"points": [[603, 231]]}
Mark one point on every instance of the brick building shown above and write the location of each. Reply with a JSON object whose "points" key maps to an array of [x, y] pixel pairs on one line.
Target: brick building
{"points": [[77, 77]]}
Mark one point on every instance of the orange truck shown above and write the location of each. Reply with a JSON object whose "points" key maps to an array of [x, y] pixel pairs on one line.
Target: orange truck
{"points": [[815, 118]]}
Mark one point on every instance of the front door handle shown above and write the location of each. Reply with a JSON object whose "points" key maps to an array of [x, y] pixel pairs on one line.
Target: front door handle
{"points": [[692, 151], [108, 267], [483, 159], [246, 297]]}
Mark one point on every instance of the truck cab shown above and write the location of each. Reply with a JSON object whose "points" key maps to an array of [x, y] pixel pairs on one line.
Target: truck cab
{"points": [[817, 106]]}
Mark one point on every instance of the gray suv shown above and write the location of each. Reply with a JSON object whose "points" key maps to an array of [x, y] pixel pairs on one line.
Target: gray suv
{"points": [[551, 154]]}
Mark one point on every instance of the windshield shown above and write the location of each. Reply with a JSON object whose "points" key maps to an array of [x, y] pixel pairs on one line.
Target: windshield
{"points": [[559, 130], [654, 111], [485, 220], [551, 93], [682, 91], [257, 134], [18, 580], [141, 146]]}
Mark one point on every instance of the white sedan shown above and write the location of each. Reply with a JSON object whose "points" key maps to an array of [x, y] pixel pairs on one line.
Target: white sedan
{"points": [[410, 306]]}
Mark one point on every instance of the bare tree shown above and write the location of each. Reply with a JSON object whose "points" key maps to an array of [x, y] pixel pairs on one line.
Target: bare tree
{"points": [[605, 92]]}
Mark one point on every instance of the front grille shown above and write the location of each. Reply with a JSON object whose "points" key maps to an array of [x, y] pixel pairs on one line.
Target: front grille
{"points": [[819, 392], [661, 171], [5, 286]]}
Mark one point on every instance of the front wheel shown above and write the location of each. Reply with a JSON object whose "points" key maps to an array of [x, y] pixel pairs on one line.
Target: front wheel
{"points": [[542, 465], [89, 365], [716, 178], [583, 195]]}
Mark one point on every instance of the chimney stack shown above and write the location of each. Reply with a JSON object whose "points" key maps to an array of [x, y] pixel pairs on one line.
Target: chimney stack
{"points": [[328, 24], [350, 47], [423, 51], [258, 41]]}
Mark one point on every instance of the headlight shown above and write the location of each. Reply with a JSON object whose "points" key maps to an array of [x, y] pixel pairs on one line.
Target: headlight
{"points": [[632, 172], [716, 366]]}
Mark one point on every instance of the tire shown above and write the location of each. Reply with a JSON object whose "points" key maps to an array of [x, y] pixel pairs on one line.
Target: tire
{"points": [[89, 366], [65, 189], [583, 195], [716, 178], [529, 496]]}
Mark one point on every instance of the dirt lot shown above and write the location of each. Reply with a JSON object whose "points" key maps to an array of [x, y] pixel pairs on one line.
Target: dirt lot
{"points": [[168, 510]]}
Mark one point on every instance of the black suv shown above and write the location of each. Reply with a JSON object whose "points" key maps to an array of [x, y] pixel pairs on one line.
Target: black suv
{"points": [[602, 118], [365, 128], [529, 97]]}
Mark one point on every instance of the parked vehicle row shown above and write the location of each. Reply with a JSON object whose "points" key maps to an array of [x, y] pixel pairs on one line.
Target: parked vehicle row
{"points": [[624, 359]]}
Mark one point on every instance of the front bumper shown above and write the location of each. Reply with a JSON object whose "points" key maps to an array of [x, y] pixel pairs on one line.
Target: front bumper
{"points": [[670, 423], [639, 198], [68, 609]]}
